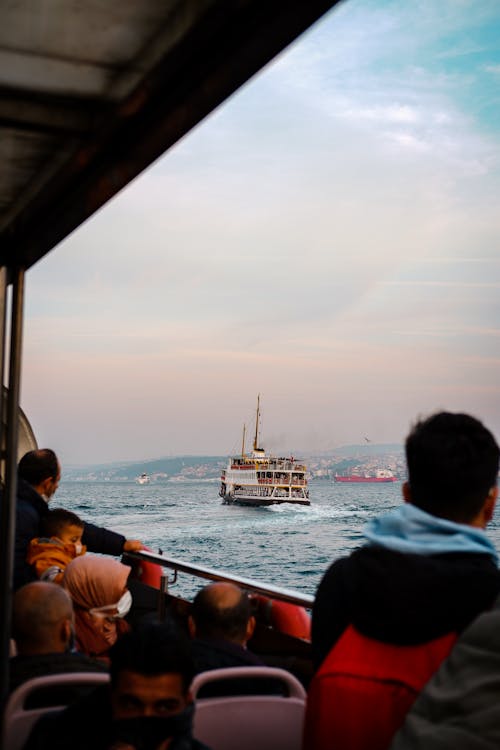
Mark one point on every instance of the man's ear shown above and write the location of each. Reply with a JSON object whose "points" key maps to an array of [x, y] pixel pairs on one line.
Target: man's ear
{"points": [[191, 627], [489, 505], [250, 628], [46, 485], [406, 490], [65, 632]]}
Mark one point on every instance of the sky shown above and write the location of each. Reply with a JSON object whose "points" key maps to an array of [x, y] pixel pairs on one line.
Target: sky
{"points": [[328, 238]]}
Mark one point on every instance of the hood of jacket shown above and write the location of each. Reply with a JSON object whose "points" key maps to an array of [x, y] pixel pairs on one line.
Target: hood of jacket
{"points": [[410, 529]]}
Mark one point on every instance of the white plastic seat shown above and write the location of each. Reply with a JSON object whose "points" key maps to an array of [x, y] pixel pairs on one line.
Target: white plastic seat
{"points": [[18, 720], [250, 722]]}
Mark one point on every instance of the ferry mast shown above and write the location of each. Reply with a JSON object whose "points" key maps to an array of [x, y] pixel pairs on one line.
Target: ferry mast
{"points": [[255, 440]]}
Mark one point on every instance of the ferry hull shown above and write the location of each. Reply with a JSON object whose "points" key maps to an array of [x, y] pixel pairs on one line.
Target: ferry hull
{"points": [[257, 502]]}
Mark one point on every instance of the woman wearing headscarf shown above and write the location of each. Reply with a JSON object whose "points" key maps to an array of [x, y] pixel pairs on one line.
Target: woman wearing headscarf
{"points": [[101, 599]]}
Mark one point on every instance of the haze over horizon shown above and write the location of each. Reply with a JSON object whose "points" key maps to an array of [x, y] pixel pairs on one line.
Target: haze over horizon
{"points": [[327, 238]]}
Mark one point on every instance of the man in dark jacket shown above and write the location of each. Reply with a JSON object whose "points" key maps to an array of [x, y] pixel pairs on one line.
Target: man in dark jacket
{"points": [[43, 629], [427, 568], [388, 614], [38, 478], [221, 623], [147, 705]]}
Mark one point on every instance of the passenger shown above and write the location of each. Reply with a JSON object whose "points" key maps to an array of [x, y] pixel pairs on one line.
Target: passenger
{"points": [[98, 588], [43, 630], [61, 542], [458, 708], [38, 477], [147, 705], [389, 613], [221, 623]]}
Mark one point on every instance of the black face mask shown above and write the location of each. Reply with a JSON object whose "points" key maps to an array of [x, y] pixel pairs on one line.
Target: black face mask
{"points": [[147, 732]]}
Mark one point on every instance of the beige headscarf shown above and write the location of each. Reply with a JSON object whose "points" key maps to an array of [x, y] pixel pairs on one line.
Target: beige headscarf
{"points": [[95, 581]]}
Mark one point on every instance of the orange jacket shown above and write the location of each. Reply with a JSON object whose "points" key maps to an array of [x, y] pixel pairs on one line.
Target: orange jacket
{"points": [[49, 557]]}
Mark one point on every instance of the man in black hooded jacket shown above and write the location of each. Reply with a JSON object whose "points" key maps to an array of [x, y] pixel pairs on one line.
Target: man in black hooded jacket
{"points": [[385, 617], [38, 477], [427, 569]]}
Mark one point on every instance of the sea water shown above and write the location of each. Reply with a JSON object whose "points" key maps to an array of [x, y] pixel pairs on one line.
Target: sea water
{"points": [[287, 545]]}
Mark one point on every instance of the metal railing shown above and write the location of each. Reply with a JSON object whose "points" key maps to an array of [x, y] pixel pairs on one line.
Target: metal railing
{"points": [[200, 571]]}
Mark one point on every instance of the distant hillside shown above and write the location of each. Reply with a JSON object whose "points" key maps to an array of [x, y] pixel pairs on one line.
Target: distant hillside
{"points": [[171, 466], [208, 467]]}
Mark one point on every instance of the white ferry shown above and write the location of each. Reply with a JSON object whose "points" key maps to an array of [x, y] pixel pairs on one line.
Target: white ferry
{"points": [[143, 479], [261, 479]]}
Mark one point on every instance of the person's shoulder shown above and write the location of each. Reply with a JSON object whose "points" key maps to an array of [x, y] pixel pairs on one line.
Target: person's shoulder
{"points": [[338, 567], [23, 668], [484, 632], [28, 500], [86, 663], [79, 726], [218, 653]]}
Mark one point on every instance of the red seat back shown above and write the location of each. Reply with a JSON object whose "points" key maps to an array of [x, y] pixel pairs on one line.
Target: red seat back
{"points": [[361, 693]]}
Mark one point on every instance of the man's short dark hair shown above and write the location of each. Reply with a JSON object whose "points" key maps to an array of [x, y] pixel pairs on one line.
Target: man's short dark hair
{"points": [[452, 465], [153, 649], [58, 519], [213, 621], [35, 466]]}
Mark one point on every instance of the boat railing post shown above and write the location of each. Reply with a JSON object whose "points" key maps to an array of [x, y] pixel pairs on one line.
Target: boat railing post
{"points": [[162, 601], [8, 506]]}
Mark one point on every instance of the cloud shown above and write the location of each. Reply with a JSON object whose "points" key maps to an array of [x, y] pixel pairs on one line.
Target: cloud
{"points": [[329, 237]]}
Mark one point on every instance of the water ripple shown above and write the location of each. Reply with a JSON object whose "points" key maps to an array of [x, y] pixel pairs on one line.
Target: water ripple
{"points": [[287, 545]]}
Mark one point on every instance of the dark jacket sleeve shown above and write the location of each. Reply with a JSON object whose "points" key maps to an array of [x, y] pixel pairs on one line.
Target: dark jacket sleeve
{"points": [[102, 540], [330, 615], [27, 528], [458, 708]]}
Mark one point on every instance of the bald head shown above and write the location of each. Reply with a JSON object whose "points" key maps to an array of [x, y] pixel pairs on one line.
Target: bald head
{"points": [[223, 611], [42, 618]]}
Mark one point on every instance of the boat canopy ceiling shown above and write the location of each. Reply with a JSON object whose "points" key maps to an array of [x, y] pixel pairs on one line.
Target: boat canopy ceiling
{"points": [[93, 92]]}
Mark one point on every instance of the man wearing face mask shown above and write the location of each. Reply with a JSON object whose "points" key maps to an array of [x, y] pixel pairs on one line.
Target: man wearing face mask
{"points": [[38, 477], [43, 630], [146, 706]]}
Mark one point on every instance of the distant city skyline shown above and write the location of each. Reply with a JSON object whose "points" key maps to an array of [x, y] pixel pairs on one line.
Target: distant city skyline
{"points": [[328, 238]]}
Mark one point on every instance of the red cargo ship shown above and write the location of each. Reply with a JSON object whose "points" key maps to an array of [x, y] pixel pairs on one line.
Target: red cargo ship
{"points": [[383, 475]]}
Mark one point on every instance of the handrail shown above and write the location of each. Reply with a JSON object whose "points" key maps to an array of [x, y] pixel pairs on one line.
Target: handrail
{"points": [[276, 592]]}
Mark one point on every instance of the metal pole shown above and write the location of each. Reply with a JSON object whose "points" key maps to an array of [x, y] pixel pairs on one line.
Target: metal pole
{"points": [[8, 509], [3, 400]]}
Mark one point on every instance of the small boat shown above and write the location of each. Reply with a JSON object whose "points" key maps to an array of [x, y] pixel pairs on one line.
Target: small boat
{"points": [[382, 475], [259, 478], [143, 479]]}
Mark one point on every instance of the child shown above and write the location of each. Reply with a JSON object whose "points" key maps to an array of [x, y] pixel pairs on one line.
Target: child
{"points": [[59, 544]]}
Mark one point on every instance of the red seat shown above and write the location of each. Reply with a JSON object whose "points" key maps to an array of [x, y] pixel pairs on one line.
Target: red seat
{"points": [[361, 693]]}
